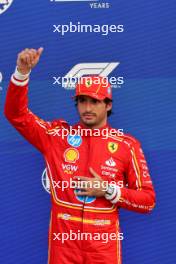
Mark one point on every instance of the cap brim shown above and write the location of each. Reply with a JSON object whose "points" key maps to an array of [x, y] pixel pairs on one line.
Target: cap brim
{"points": [[95, 96]]}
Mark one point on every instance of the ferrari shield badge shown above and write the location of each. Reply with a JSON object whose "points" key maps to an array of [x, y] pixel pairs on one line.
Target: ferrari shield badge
{"points": [[112, 147]]}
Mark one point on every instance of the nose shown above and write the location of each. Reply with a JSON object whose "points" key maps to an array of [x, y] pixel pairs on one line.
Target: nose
{"points": [[88, 106]]}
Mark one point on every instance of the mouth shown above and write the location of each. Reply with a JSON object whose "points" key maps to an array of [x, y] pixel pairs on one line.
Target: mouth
{"points": [[88, 116]]}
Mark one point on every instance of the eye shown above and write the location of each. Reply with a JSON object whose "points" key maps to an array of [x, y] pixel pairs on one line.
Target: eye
{"points": [[94, 101], [81, 99]]}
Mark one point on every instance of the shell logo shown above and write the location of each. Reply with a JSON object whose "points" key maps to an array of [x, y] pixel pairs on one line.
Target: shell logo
{"points": [[71, 155]]}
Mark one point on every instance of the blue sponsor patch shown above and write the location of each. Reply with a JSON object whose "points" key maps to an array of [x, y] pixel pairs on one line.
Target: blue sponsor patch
{"points": [[84, 198], [74, 140]]}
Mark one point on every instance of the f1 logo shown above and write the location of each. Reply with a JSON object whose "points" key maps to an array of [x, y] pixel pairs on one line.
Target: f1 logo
{"points": [[82, 69]]}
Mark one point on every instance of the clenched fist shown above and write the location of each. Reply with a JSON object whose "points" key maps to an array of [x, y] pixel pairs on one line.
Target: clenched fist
{"points": [[27, 59]]}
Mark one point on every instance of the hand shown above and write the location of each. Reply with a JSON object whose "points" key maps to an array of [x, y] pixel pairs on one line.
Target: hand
{"points": [[93, 186], [27, 59]]}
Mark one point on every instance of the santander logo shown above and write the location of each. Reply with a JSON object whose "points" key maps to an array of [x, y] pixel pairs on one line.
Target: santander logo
{"points": [[110, 162]]}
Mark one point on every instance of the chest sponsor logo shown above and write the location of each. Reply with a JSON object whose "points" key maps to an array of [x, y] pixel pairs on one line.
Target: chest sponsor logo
{"points": [[84, 198], [71, 155], [110, 162], [108, 173], [109, 168], [69, 169], [74, 140], [112, 147]]}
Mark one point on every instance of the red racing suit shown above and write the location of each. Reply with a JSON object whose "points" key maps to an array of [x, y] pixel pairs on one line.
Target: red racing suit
{"points": [[114, 158]]}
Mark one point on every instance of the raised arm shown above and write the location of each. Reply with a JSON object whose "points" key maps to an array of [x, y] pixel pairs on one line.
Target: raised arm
{"points": [[16, 105]]}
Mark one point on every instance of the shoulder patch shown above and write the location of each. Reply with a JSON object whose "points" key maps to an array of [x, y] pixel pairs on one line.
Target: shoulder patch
{"points": [[130, 140]]}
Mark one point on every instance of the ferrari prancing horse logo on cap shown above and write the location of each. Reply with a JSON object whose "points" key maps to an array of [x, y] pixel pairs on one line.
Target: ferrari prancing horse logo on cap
{"points": [[88, 83], [112, 147]]}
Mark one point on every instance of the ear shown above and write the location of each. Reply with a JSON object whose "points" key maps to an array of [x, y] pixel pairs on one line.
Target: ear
{"points": [[109, 106]]}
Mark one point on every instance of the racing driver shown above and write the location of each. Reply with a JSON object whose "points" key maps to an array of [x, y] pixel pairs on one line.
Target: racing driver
{"points": [[91, 208]]}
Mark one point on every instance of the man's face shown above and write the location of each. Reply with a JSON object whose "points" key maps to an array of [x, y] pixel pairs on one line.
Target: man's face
{"points": [[93, 112]]}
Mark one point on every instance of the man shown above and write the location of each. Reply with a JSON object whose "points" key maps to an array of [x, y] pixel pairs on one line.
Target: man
{"points": [[88, 206]]}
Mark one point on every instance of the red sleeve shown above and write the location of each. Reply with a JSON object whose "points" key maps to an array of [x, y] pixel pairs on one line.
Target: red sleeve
{"points": [[26, 123], [139, 195]]}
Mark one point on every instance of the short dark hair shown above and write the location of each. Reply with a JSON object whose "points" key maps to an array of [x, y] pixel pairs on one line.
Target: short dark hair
{"points": [[106, 101]]}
